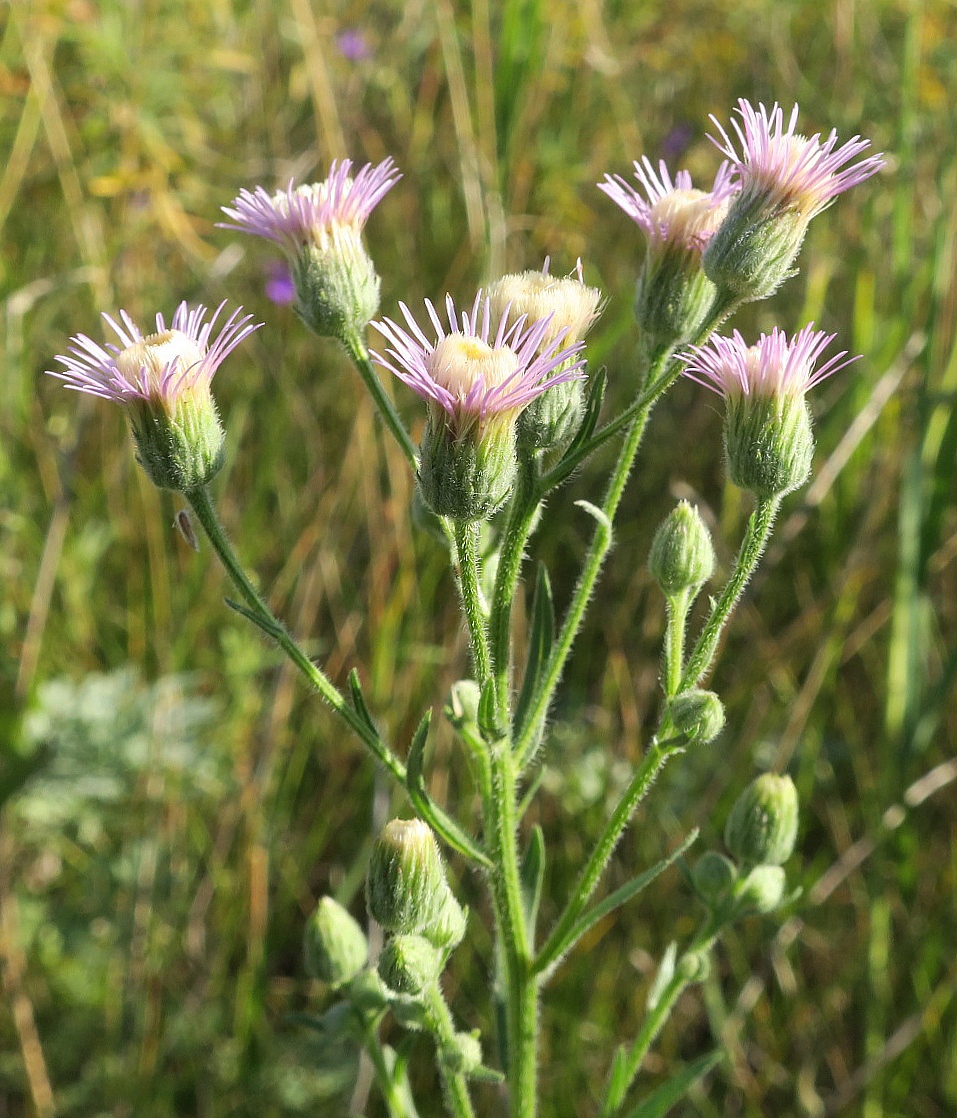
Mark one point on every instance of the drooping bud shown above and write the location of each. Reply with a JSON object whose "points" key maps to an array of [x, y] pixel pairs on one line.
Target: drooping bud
{"points": [[406, 887], [697, 715], [334, 946], [763, 824], [713, 877], [682, 555], [761, 892]]}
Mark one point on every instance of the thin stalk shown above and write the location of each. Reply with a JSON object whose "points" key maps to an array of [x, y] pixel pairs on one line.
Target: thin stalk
{"points": [[454, 1085], [357, 350], [674, 642], [521, 985], [752, 548], [392, 1096], [467, 563], [556, 944], [517, 530]]}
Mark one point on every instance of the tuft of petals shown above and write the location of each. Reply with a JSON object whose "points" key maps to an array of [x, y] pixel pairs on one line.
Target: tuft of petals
{"points": [[477, 368], [159, 367], [795, 171], [670, 210], [773, 366], [316, 213]]}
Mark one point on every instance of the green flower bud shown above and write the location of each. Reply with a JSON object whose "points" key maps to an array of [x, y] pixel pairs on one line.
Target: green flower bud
{"points": [[694, 967], [713, 877], [463, 703], [761, 892], [551, 420], [682, 555], [464, 1055], [334, 946], [697, 715], [181, 448], [469, 476], [410, 964], [448, 928], [763, 824], [768, 442], [672, 297], [406, 888], [367, 992]]}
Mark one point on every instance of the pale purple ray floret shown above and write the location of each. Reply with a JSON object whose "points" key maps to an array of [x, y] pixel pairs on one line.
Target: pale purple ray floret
{"points": [[773, 366], [531, 367], [174, 360], [300, 214], [795, 170]]}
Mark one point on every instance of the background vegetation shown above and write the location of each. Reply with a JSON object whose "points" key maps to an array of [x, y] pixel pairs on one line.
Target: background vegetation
{"points": [[192, 801]]}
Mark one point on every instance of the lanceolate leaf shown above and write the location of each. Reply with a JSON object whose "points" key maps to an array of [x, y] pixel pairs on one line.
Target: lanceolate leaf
{"points": [[660, 1101], [541, 639]]}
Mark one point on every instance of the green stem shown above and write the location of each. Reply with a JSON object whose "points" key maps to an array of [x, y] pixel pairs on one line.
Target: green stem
{"points": [[752, 548], [555, 946], [356, 349], [467, 562], [517, 530], [454, 1085], [674, 643], [392, 1096], [521, 984], [202, 505]]}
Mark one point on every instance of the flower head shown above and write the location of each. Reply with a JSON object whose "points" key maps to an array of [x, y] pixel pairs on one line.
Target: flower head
{"points": [[767, 433], [320, 227], [791, 170], [477, 376], [670, 210], [773, 366], [163, 380], [319, 213]]}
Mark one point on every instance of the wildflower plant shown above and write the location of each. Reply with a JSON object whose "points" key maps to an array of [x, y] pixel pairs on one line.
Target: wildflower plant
{"points": [[510, 409]]}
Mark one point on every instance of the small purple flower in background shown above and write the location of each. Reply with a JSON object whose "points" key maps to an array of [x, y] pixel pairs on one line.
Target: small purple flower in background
{"points": [[353, 45], [163, 381], [280, 286], [472, 373], [791, 170], [675, 144], [773, 366], [671, 211], [322, 213]]}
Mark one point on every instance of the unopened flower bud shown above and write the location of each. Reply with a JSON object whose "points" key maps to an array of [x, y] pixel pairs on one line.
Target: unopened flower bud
{"points": [[697, 715], [337, 287], [694, 967], [761, 892], [406, 887], [463, 1055], [713, 876], [763, 824], [463, 703], [754, 250], [682, 555], [448, 928], [367, 992], [334, 945], [410, 964]]}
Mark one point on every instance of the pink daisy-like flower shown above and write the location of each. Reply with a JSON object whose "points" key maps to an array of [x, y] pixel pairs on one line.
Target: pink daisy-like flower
{"points": [[475, 370], [157, 368], [163, 382], [319, 213], [670, 210], [773, 366], [791, 170]]}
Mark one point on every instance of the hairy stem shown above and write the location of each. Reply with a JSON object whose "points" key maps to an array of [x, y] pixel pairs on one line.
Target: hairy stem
{"points": [[357, 350]]}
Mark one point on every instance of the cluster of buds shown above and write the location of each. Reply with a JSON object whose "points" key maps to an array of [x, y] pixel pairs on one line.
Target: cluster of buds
{"points": [[760, 834]]}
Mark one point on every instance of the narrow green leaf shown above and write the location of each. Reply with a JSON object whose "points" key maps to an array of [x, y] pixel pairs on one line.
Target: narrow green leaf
{"points": [[359, 702], [660, 1101], [487, 718], [532, 875], [596, 514], [443, 825], [622, 896], [666, 971], [617, 1077], [541, 639], [270, 628]]}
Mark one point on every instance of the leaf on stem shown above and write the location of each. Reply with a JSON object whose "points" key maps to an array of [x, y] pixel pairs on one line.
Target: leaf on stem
{"points": [[660, 1101], [358, 701], [540, 642], [271, 628], [532, 875], [596, 514]]}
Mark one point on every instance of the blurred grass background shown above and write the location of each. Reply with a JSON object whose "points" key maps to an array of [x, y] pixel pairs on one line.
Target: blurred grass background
{"points": [[192, 801]]}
